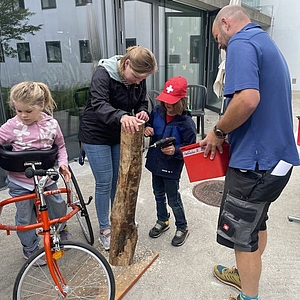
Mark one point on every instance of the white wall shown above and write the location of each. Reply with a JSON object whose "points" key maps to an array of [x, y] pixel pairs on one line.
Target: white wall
{"points": [[67, 24], [285, 32], [57, 26]]}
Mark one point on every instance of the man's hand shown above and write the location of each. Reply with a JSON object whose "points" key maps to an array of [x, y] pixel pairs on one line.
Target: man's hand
{"points": [[210, 144]]}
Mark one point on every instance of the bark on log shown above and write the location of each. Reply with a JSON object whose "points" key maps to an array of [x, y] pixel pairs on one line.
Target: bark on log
{"points": [[124, 233]]}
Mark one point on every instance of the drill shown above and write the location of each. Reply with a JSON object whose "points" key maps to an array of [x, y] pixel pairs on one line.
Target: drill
{"points": [[163, 143]]}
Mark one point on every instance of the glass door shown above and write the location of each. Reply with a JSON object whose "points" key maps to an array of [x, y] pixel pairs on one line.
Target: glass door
{"points": [[185, 46], [213, 61], [137, 13]]}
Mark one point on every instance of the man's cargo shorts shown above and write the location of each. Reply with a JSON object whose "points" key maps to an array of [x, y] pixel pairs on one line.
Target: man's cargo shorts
{"points": [[244, 208]]}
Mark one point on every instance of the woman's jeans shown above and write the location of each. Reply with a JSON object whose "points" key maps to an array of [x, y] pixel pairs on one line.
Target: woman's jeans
{"points": [[104, 161], [163, 187], [26, 213]]}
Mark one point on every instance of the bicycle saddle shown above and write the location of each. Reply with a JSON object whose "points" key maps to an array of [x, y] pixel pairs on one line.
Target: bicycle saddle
{"points": [[14, 161]]}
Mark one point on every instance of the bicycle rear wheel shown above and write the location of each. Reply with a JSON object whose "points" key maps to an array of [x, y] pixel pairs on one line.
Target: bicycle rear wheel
{"points": [[82, 216], [85, 270]]}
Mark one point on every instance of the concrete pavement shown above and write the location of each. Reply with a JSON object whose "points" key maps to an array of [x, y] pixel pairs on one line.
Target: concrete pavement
{"points": [[185, 273]]}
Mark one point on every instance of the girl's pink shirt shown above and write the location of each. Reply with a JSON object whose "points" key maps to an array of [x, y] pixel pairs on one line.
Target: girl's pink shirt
{"points": [[39, 135]]}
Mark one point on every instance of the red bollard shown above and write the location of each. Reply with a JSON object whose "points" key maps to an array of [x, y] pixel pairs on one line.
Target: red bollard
{"points": [[298, 139]]}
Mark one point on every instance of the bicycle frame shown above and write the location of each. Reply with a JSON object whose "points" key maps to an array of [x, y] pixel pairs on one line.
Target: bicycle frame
{"points": [[44, 222]]}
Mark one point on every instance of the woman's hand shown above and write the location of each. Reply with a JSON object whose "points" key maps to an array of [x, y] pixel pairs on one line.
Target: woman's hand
{"points": [[131, 124], [63, 169], [142, 115]]}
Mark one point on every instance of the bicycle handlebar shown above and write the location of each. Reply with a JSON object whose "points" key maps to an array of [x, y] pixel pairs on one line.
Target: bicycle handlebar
{"points": [[30, 172]]}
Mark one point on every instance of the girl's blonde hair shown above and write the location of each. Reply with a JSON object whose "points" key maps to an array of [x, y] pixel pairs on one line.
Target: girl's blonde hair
{"points": [[142, 61], [32, 94], [180, 106]]}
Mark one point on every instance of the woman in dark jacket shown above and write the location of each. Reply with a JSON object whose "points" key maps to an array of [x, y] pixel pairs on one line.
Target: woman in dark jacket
{"points": [[170, 119], [117, 98]]}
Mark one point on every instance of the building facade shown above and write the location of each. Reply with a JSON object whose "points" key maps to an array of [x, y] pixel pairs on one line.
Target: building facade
{"points": [[75, 34]]}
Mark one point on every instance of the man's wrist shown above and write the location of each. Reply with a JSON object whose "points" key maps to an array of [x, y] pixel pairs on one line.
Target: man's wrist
{"points": [[220, 134]]}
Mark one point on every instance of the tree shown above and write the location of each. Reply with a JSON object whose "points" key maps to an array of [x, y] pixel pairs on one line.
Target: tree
{"points": [[14, 23]]}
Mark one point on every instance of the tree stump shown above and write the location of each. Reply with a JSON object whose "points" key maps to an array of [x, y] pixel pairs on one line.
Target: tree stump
{"points": [[124, 233]]}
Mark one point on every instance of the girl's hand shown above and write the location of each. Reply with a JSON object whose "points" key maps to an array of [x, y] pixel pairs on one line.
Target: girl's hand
{"points": [[149, 131], [170, 150], [63, 169]]}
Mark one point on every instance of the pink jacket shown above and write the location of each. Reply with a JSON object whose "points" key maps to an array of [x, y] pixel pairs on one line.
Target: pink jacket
{"points": [[39, 135]]}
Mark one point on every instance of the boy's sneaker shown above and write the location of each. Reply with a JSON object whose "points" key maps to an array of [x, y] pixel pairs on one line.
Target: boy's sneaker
{"points": [[159, 228], [228, 276], [104, 239], [39, 262], [180, 237], [65, 235]]}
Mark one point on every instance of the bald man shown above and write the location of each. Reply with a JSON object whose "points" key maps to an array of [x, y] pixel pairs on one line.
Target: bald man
{"points": [[259, 127]]}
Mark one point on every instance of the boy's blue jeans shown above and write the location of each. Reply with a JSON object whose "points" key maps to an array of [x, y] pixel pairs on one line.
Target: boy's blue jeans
{"points": [[25, 214], [104, 161], [162, 188]]}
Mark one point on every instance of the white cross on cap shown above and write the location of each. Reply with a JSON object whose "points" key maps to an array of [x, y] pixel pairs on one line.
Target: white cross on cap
{"points": [[169, 89]]}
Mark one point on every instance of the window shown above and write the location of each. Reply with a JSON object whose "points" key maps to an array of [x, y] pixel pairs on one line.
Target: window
{"points": [[53, 52], [85, 54], [82, 2], [130, 42], [174, 58], [1, 53], [21, 4], [48, 4], [23, 52], [194, 48]]}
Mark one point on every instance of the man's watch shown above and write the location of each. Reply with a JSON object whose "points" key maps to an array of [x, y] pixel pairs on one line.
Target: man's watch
{"points": [[219, 133]]}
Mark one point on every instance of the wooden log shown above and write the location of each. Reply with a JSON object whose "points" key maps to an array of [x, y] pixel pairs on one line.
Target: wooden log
{"points": [[124, 233]]}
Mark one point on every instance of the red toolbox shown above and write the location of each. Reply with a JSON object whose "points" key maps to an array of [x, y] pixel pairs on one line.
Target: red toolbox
{"points": [[199, 167]]}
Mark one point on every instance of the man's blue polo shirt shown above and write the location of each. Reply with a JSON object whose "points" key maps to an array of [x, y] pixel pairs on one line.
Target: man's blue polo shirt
{"points": [[253, 61]]}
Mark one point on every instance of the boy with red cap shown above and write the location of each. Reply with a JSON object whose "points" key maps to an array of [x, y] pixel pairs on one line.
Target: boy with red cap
{"points": [[169, 119]]}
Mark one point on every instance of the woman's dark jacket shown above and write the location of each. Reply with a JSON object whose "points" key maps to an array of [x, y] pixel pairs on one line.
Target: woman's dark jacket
{"points": [[183, 128], [109, 100]]}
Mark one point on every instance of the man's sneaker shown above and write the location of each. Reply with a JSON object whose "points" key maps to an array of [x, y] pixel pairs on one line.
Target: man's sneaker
{"points": [[228, 276], [39, 262], [65, 235], [159, 228], [234, 297], [180, 237], [104, 239]]}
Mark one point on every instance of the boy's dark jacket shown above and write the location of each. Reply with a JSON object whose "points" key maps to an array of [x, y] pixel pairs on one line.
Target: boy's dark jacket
{"points": [[183, 128]]}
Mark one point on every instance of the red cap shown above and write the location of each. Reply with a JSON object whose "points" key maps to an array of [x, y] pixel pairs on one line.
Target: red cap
{"points": [[174, 90]]}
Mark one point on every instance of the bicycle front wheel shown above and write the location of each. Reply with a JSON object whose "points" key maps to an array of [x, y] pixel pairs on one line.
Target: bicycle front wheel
{"points": [[82, 216], [85, 271]]}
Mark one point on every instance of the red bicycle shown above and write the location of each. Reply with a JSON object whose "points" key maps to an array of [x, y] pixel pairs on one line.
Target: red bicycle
{"points": [[74, 270]]}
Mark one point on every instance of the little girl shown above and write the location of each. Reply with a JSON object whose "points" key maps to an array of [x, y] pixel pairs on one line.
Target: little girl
{"points": [[33, 129], [170, 119]]}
